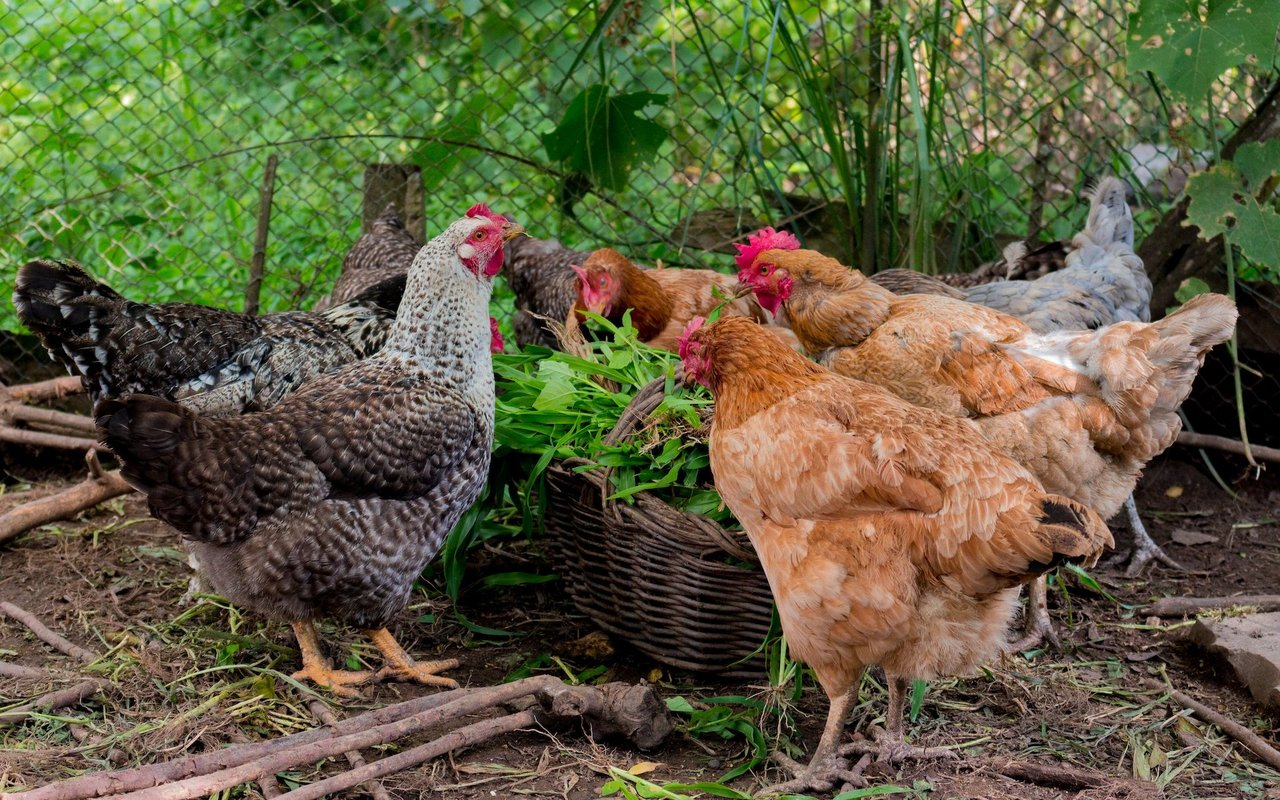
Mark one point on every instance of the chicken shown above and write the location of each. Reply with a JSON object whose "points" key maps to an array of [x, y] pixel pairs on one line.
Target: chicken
{"points": [[211, 360], [662, 301], [1102, 280], [1018, 263], [891, 534], [540, 275], [330, 503], [1083, 410], [384, 251]]}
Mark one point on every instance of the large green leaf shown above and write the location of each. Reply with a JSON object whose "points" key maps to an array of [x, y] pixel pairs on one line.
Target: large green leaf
{"points": [[1188, 44], [1223, 201], [603, 135]]}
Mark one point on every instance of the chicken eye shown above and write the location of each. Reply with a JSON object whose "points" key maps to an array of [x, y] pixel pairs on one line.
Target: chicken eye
{"points": [[602, 281], [478, 236], [764, 269]]}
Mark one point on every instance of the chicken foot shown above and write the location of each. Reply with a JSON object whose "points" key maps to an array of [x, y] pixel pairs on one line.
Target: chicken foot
{"points": [[1038, 626], [826, 767], [399, 664], [316, 668], [1145, 550], [887, 742]]}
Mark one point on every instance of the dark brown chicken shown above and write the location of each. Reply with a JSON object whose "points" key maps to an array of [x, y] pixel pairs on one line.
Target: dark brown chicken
{"points": [[330, 503], [384, 251], [540, 273]]}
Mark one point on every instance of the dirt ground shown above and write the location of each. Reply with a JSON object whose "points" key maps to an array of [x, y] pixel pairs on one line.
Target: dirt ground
{"points": [[190, 675]]}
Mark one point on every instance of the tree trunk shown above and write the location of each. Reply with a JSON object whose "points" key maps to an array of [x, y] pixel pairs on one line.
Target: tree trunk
{"points": [[1174, 251]]}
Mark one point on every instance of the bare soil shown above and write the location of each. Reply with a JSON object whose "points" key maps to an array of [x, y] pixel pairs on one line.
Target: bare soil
{"points": [[189, 675]]}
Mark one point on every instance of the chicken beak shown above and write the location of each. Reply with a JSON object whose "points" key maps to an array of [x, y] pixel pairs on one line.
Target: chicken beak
{"points": [[510, 230]]}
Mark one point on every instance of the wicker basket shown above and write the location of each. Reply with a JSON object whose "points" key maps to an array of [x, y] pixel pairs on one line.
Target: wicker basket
{"points": [[653, 575]]}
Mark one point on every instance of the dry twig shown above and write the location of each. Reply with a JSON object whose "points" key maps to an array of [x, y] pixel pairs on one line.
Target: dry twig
{"points": [[52, 701], [44, 634], [52, 389], [1234, 446], [1179, 606], [322, 713], [1234, 729], [69, 502]]}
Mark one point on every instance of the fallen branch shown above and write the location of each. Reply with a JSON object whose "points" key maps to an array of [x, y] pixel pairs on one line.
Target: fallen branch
{"points": [[454, 740], [52, 389], [44, 634], [1062, 776], [1234, 446], [9, 670], [73, 422], [198, 776], [52, 701], [42, 439], [64, 504], [322, 713], [1180, 606], [1235, 730]]}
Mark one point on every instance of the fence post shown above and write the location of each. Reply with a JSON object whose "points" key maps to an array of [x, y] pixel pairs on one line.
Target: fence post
{"points": [[398, 183], [257, 262]]}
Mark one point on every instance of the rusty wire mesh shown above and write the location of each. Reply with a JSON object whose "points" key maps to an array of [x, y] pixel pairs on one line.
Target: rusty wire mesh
{"points": [[133, 136]]}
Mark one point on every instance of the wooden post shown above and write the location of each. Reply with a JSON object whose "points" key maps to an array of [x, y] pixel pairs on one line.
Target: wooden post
{"points": [[258, 262], [395, 183]]}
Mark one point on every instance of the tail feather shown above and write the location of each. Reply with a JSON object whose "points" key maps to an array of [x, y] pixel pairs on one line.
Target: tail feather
{"points": [[1110, 220], [144, 432], [68, 310], [1072, 531]]}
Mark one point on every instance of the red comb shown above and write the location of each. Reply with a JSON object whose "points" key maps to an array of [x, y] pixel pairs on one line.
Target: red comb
{"points": [[482, 210], [761, 240], [683, 342]]}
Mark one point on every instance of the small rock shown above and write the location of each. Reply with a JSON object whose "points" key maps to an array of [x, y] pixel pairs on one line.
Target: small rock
{"points": [[1192, 538], [1251, 646]]}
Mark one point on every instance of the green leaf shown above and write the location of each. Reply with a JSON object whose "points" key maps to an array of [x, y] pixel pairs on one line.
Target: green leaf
{"points": [[1189, 289], [516, 579], [558, 392], [602, 135], [1213, 202], [1223, 202], [1257, 161], [873, 791], [918, 688], [679, 705], [1189, 43]]}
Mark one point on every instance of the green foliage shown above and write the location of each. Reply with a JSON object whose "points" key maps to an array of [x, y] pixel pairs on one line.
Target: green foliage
{"points": [[1224, 202], [602, 135], [1188, 44]]}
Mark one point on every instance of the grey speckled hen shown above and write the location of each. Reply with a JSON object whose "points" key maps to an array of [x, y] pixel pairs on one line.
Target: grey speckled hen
{"points": [[539, 273], [216, 361], [1101, 282], [330, 503]]}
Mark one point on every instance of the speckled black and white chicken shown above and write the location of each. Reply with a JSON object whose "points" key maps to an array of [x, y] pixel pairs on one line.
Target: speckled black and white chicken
{"points": [[213, 360], [330, 503], [384, 251]]}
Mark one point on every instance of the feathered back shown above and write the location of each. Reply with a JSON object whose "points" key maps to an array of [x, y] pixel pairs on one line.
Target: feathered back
{"points": [[385, 251], [116, 345], [539, 273]]}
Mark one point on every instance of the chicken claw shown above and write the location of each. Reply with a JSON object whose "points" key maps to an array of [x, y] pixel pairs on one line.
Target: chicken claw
{"points": [[1039, 626], [888, 747], [316, 668], [821, 775], [399, 664], [1145, 550]]}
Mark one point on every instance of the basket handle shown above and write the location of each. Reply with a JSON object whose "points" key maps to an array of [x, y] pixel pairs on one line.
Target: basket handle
{"points": [[633, 417]]}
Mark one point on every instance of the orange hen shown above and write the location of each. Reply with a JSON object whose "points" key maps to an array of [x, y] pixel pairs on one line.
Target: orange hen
{"points": [[662, 301], [891, 534]]}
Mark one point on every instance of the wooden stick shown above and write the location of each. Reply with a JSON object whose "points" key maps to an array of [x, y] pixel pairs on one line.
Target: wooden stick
{"points": [[44, 634], [454, 740], [1235, 730], [10, 670], [74, 422], [39, 439], [64, 504], [257, 262], [1178, 606], [311, 752], [52, 701], [52, 389], [164, 772], [1063, 776], [322, 713], [1234, 446]]}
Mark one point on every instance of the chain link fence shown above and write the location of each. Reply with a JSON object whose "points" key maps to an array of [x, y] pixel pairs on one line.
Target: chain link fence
{"points": [[134, 136]]}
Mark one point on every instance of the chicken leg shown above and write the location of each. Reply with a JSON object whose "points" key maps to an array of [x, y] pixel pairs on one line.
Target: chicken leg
{"points": [[826, 767], [316, 668], [887, 742], [1145, 550], [1038, 626], [400, 664]]}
